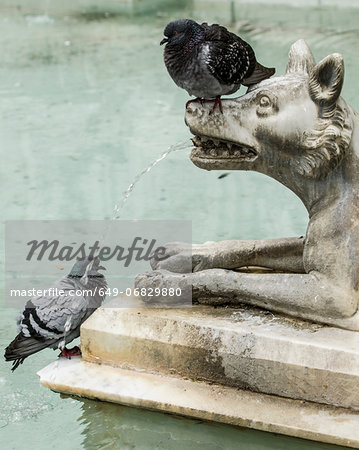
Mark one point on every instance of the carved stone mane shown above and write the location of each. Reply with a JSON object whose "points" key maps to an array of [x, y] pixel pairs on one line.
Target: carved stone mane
{"points": [[325, 145]]}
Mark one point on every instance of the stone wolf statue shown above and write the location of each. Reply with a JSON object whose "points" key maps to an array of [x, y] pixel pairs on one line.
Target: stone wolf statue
{"points": [[298, 130]]}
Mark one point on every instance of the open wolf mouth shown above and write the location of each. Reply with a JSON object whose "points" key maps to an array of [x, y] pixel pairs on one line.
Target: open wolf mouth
{"points": [[210, 148]]}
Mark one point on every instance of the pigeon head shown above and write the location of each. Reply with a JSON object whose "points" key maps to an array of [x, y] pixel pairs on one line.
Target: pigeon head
{"points": [[88, 265], [181, 31]]}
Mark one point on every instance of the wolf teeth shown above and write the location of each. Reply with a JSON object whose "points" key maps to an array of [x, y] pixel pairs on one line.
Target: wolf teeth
{"points": [[222, 149], [196, 141]]}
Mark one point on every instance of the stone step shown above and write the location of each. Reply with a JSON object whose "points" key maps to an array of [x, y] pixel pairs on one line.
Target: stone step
{"points": [[204, 401], [244, 348]]}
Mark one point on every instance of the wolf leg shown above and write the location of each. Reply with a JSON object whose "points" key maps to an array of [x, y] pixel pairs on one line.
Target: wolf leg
{"points": [[308, 296], [284, 254]]}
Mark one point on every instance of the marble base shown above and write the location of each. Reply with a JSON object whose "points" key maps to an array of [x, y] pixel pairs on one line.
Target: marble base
{"points": [[245, 348], [239, 366], [202, 400]]}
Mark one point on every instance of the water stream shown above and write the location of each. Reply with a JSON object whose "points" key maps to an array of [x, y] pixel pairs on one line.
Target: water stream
{"points": [[173, 148], [116, 215]]}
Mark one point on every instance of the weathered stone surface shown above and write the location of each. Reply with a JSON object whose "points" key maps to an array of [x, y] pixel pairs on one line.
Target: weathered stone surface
{"points": [[245, 348], [204, 401]]}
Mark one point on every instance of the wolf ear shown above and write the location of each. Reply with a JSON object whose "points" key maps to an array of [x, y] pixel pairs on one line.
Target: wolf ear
{"points": [[326, 81], [301, 59]]}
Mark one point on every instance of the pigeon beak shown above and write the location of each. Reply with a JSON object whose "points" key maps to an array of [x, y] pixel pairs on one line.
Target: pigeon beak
{"points": [[164, 41]]}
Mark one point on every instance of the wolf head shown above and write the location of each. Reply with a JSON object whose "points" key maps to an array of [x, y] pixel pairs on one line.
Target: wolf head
{"points": [[296, 124]]}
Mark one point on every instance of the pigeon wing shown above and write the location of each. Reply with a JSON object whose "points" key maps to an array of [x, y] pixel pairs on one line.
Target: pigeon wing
{"points": [[57, 315], [228, 57]]}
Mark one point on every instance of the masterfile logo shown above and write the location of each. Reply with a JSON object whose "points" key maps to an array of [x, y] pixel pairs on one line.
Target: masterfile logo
{"points": [[140, 249]]}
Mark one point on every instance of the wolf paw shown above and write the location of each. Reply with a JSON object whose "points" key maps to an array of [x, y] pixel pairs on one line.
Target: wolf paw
{"points": [[180, 257], [164, 287]]}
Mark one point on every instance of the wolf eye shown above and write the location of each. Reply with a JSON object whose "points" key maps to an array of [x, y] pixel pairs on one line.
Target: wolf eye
{"points": [[175, 33], [266, 104], [264, 101]]}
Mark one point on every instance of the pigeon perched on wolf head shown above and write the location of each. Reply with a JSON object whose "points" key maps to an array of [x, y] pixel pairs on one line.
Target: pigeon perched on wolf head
{"points": [[208, 61], [54, 320]]}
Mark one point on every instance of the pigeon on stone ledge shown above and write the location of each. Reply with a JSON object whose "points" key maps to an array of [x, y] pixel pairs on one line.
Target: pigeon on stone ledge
{"points": [[208, 61], [54, 320]]}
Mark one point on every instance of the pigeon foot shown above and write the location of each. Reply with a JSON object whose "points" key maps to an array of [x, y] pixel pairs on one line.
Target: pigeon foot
{"points": [[68, 352], [195, 100], [217, 102]]}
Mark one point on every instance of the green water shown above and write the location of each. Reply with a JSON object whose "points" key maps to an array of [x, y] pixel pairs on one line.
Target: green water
{"points": [[85, 104]]}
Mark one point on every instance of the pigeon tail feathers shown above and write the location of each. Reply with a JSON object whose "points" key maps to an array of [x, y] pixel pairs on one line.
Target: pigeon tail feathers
{"points": [[259, 73], [22, 347]]}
